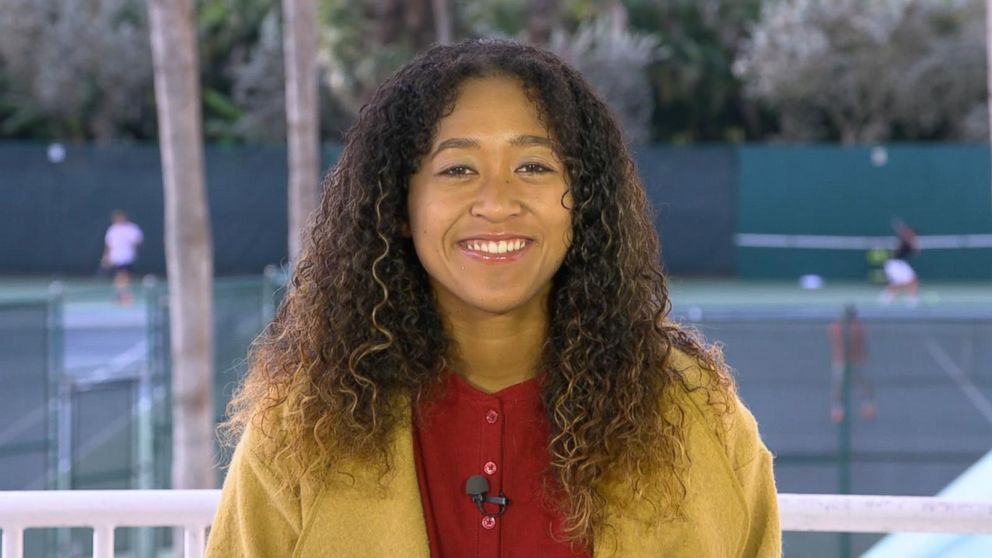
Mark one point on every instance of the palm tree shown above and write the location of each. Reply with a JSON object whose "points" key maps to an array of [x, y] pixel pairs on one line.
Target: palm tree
{"points": [[302, 114], [188, 244], [442, 21]]}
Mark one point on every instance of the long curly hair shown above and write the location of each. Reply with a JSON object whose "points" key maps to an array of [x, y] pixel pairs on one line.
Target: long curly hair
{"points": [[359, 330]]}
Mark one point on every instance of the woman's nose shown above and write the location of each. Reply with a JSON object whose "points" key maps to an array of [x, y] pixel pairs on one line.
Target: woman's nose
{"points": [[496, 198]]}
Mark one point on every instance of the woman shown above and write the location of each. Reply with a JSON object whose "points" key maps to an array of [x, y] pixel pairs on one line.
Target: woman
{"points": [[474, 358]]}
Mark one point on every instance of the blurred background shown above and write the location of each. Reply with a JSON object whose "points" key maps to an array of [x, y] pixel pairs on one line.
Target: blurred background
{"points": [[786, 146]]}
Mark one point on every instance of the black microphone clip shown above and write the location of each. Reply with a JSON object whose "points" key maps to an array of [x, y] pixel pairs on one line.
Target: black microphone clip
{"points": [[476, 487]]}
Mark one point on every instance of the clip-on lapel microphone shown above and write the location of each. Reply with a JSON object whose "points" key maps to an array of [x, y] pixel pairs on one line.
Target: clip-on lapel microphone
{"points": [[477, 486]]}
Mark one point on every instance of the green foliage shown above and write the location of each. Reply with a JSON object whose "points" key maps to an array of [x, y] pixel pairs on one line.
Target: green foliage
{"points": [[227, 32], [82, 70], [219, 104], [355, 57], [869, 72], [697, 96], [505, 18]]}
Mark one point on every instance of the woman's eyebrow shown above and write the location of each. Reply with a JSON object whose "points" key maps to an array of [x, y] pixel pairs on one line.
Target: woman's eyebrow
{"points": [[465, 143], [455, 143]]}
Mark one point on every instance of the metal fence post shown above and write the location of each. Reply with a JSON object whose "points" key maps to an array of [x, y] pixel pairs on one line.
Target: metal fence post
{"points": [[844, 428], [60, 413], [145, 446], [55, 357]]}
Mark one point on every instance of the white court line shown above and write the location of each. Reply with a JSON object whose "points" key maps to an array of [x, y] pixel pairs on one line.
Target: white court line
{"points": [[971, 391]]}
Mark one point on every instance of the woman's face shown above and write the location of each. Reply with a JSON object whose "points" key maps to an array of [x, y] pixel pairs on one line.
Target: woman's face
{"points": [[489, 206]]}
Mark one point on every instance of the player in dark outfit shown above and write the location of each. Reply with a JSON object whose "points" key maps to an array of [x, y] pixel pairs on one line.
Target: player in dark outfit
{"points": [[901, 277]]}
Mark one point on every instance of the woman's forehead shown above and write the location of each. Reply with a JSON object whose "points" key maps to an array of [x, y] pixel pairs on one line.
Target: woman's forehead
{"points": [[488, 105]]}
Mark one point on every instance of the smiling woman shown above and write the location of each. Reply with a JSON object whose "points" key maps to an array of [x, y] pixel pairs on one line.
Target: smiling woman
{"points": [[490, 218], [474, 358]]}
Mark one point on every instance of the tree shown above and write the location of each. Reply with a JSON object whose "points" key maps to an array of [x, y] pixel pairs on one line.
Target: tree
{"points": [[251, 106], [696, 96], [442, 21], [75, 70], [870, 71], [692, 93], [988, 68], [364, 41], [188, 246], [303, 123], [241, 70], [613, 59]]}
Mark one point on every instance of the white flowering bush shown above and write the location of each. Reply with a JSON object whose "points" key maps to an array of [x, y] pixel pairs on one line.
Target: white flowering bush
{"points": [[870, 71]]}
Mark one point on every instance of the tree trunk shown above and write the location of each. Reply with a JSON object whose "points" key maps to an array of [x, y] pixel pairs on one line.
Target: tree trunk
{"points": [[302, 114], [988, 68], [442, 21], [188, 246]]}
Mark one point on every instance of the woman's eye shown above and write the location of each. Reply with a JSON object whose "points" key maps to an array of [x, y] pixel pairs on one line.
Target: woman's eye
{"points": [[534, 168], [458, 170]]}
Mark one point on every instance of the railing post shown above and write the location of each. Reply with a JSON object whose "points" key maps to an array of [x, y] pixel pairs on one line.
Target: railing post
{"points": [[13, 542], [103, 541], [195, 541]]}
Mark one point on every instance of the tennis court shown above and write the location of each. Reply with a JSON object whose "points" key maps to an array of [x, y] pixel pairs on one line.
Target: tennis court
{"points": [[105, 424]]}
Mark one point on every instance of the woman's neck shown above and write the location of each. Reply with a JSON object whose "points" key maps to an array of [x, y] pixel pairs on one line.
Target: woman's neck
{"points": [[495, 352]]}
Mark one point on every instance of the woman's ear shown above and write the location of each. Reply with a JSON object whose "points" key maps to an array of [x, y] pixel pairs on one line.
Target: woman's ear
{"points": [[405, 228]]}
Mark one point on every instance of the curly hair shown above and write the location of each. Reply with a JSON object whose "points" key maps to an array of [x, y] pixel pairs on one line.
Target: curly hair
{"points": [[360, 331]]}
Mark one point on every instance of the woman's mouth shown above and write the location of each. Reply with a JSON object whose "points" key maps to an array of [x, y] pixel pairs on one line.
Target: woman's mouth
{"points": [[495, 251]]}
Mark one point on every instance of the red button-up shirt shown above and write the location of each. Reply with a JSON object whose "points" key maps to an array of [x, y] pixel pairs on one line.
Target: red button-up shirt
{"points": [[502, 436]]}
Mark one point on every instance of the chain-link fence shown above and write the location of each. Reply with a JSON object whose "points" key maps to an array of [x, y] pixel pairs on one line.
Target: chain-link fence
{"points": [[105, 421], [30, 342], [871, 401]]}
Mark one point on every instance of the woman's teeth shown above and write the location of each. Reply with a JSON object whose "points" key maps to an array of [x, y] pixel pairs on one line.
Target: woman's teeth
{"points": [[494, 247]]}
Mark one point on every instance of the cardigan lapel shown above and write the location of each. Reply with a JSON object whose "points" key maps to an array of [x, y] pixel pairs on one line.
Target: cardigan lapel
{"points": [[358, 515]]}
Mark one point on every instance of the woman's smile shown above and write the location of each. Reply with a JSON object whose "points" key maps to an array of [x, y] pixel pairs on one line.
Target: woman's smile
{"points": [[495, 249]]}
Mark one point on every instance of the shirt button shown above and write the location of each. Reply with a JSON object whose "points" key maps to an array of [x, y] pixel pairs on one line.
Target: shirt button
{"points": [[488, 522], [489, 467], [492, 416]]}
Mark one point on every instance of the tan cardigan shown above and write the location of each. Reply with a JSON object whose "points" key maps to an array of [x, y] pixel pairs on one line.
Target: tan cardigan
{"points": [[731, 505]]}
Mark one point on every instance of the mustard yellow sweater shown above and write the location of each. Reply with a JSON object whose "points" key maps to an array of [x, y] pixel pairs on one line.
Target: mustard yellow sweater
{"points": [[731, 507]]}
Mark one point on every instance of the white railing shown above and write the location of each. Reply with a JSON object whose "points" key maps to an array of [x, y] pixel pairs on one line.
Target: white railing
{"points": [[193, 510], [105, 510], [883, 514]]}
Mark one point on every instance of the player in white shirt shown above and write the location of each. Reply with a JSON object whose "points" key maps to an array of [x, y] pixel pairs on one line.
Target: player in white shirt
{"points": [[120, 249]]}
